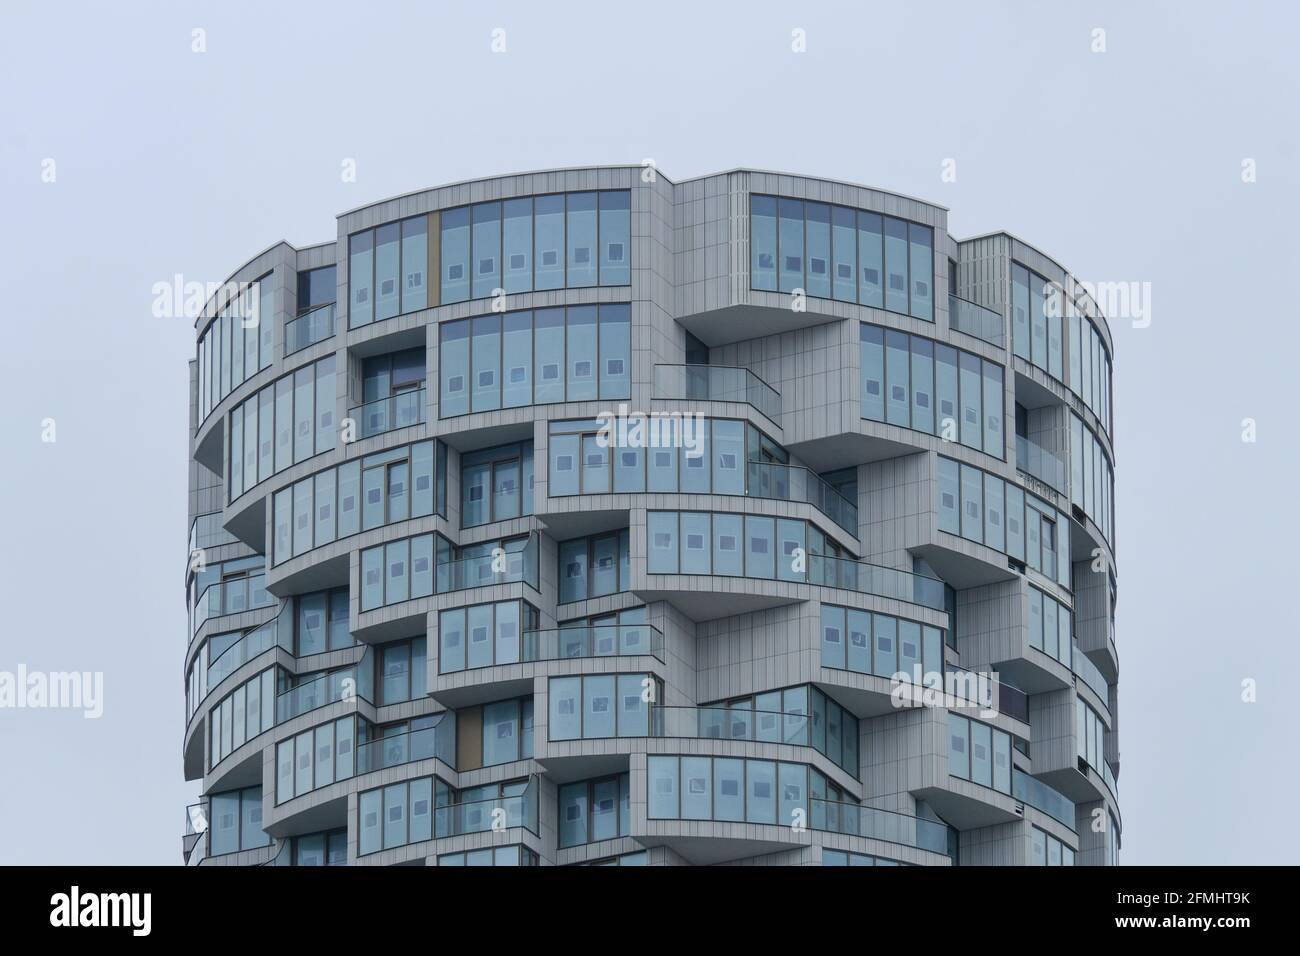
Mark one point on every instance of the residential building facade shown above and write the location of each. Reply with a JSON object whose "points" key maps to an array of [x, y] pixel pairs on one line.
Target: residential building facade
{"points": [[586, 517]]}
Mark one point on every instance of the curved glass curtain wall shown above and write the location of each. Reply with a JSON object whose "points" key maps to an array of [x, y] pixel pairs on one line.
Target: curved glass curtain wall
{"points": [[1040, 318], [684, 454], [531, 243], [535, 357], [237, 344], [926, 386], [834, 252], [409, 481]]}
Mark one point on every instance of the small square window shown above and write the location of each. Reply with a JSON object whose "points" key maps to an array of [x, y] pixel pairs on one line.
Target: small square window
{"points": [[614, 366], [487, 265], [550, 372], [582, 369], [517, 262], [816, 266], [615, 252], [456, 383], [549, 257], [518, 374], [456, 271], [581, 255], [765, 261]]}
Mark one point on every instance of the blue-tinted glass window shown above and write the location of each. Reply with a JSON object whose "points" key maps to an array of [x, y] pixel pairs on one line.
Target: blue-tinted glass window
{"points": [[791, 244], [818, 249], [517, 245], [548, 241], [486, 249], [615, 241], [762, 242], [581, 214], [454, 250]]}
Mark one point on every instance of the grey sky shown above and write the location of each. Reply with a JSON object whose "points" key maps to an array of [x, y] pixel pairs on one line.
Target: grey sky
{"points": [[1123, 165]]}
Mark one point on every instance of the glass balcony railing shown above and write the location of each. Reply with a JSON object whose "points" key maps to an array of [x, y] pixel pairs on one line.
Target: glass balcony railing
{"points": [[309, 328], [1108, 777], [1039, 795], [386, 414], [423, 743], [349, 683], [966, 316], [232, 596], [873, 579], [795, 483], [1091, 676], [738, 723], [1011, 701], [717, 383], [1041, 463], [476, 816], [277, 632], [900, 828], [196, 819], [478, 571], [609, 640], [206, 532]]}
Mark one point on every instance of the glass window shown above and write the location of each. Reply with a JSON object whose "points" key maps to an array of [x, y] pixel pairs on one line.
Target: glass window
{"points": [[581, 212], [517, 242], [548, 241], [573, 814], [872, 383], [661, 530], [1015, 521], [791, 244], [728, 789], [832, 636], [922, 385], [694, 546], [564, 453], [949, 510], [972, 503], [486, 248], [486, 360], [994, 532], [958, 746], [415, 262], [387, 256], [818, 249], [582, 347], [360, 269], [1020, 310], [870, 260], [480, 635], [760, 777], [762, 242], [454, 252], [662, 779], [454, 372], [451, 637], [844, 244], [896, 378], [500, 733], [573, 570], [728, 559], [760, 536], [565, 717], [615, 226], [994, 400], [615, 347], [981, 764], [896, 265], [921, 245], [886, 653], [517, 359], [697, 789]]}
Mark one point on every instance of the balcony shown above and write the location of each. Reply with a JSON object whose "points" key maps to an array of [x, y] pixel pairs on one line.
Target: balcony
{"points": [[458, 819], [478, 571], [386, 414], [424, 743], [1011, 701], [1035, 460], [866, 578], [233, 596], [966, 316], [795, 483], [1040, 796], [206, 532], [194, 839], [277, 632], [717, 383], [1087, 671], [309, 328], [348, 684], [850, 818], [758, 726]]}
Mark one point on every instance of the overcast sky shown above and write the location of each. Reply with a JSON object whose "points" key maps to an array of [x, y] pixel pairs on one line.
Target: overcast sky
{"points": [[1125, 165]]}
